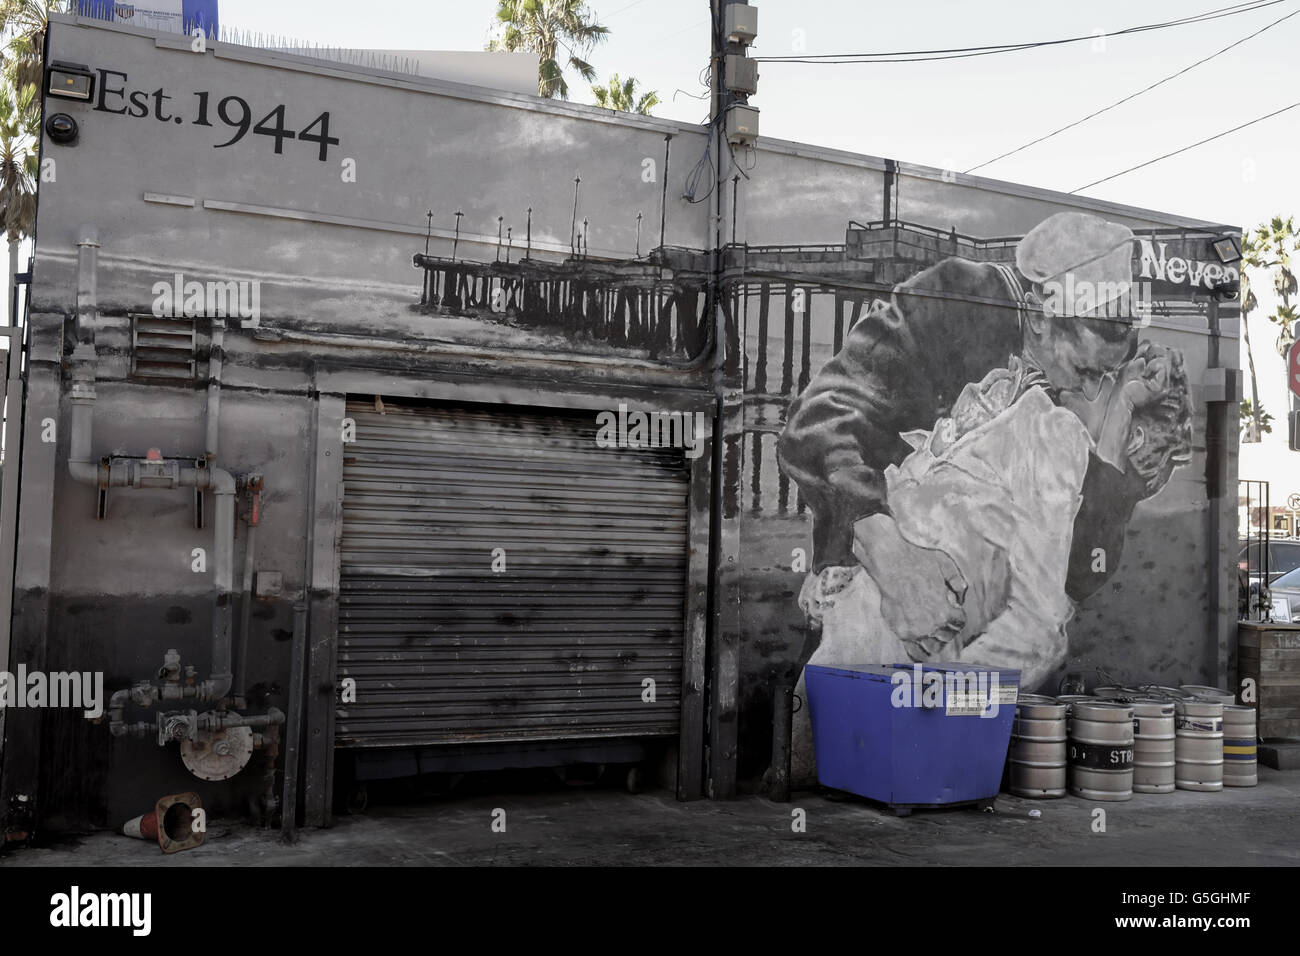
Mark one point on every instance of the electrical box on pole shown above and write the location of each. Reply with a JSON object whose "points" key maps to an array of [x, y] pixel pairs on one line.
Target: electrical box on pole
{"points": [[742, 125], [738, 73], [740, 23], [741, 73]]}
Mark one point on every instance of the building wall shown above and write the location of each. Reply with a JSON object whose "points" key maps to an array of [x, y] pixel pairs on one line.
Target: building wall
{"points": [[346, 310]]}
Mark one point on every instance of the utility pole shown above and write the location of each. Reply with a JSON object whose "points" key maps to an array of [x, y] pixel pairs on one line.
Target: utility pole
{"points": [[1293, 388], [732, 122]]}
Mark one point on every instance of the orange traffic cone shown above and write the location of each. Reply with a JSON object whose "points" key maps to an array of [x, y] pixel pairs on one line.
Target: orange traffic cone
{"points": [[170, 822]]}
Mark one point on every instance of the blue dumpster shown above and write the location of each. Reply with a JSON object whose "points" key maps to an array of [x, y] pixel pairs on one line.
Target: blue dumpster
{"points": [[912, 735]]}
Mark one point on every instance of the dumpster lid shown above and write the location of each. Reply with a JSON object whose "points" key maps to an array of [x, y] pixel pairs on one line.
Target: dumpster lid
{"points": [[886, 673], [861, 673]]}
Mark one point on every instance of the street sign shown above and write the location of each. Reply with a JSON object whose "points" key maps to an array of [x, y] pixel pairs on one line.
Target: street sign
{"points": [[1293, 367], [1293, 502]]}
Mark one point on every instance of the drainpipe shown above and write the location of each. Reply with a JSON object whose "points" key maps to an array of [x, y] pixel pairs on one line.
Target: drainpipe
{"points": [[223, 550], [254, 484], [215, 358], [150, 472], [80, 463]]}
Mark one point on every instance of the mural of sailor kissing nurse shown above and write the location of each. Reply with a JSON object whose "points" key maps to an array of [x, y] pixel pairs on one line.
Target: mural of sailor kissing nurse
{"points": [[968, 449]]}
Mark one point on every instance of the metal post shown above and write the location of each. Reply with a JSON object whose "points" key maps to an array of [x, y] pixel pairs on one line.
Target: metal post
{"points": [[573, 225], [424, 286], [724, 631], [12, 399], [1216, 475], [782, 719], [663, 197], [293, 732]]}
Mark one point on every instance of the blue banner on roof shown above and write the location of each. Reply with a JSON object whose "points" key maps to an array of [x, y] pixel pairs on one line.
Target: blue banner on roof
{"points": [[175, 16]]}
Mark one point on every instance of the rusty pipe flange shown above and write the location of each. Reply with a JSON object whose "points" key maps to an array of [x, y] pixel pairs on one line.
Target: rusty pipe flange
{"points": [[218, 754]]}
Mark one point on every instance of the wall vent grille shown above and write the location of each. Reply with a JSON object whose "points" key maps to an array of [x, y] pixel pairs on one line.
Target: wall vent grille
{"points": [[163, 348]]}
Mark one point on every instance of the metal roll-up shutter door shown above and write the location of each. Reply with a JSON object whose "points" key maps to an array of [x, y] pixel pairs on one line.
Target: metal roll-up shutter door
{"points": [[590, 604]]}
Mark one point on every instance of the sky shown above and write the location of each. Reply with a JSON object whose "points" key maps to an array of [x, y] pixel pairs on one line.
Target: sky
{"points": [[957, 113]]}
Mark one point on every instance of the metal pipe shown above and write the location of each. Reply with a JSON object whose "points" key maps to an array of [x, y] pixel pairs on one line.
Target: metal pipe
{"points": [[81, 465], [80, 462], [215, 358], [87, 285], [223, 547], [245, 609], [219, 720]]}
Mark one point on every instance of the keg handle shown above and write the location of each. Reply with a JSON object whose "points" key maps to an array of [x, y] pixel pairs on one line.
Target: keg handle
{"points": [[1107, 678], [1069, 680]]}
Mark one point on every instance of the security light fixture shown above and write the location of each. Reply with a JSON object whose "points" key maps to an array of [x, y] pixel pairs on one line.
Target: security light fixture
{"points": [[62, 129], [1226, 289], [1227, 249], [70, 81]]}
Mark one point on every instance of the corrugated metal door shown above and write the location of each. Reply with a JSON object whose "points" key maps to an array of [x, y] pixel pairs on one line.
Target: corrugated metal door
{"points": [[554, 646]]}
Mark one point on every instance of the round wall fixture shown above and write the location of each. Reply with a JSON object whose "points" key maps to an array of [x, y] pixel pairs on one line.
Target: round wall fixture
{"points": [[218, 754], [62, 129]]}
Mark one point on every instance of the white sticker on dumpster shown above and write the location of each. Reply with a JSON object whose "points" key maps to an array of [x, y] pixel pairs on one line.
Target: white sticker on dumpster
{"points": [[1008, 693], [965, 703]]}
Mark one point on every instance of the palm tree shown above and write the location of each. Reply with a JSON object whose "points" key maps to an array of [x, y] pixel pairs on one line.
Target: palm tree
{"points": [[621, 95], [22, 25], [18, 163], [18, 170], [1269, 247], [543, 27]]}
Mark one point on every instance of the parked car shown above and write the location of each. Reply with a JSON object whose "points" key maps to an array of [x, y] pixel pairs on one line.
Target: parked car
{"points": [[1283, 557], [1288, 586]]}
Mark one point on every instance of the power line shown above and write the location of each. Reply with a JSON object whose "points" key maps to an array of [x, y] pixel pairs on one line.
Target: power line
{"points": [[634, 3], [958, 53], [1131, 96], [669, 36], [1208, 139], [912, 56]]}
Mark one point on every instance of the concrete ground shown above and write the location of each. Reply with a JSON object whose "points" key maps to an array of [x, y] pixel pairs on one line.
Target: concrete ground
{"points": [[557, 825]]}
